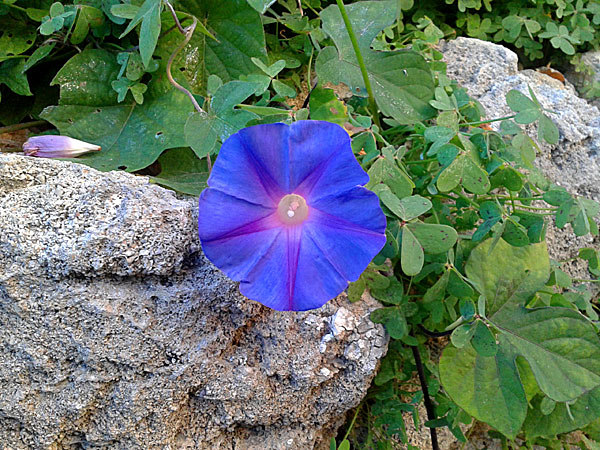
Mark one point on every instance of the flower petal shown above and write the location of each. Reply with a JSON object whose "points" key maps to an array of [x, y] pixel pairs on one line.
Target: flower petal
{"points": [[294, 275], [322, 160], [235, 234], [349, 229], [253, 165]]}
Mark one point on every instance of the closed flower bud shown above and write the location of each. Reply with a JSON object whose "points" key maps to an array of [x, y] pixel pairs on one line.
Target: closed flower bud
{"points": [[57, 147]]}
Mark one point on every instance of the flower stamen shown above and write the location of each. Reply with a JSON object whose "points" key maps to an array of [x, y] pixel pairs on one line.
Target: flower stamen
{"points": [[292, 209]]}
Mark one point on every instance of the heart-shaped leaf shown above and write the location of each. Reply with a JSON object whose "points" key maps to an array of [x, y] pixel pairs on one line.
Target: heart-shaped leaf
{"points": [[132, 136], [401, 80], [555, 337]]}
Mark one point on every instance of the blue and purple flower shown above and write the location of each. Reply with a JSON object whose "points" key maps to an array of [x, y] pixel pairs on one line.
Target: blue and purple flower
{"points": [[287, 216]]}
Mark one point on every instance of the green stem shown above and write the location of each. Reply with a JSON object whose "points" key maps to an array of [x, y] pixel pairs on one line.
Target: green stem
{"points": [[22, 126], [539, 213], [537, 208], [352, 423], [493, 197], [361, 62], [4, 58], [583, 280], [14, 6], [481, 122], [309, 72], [421, 161]]}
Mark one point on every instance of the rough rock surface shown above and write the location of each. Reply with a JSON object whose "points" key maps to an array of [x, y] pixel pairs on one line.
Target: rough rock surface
{"points": [[581, 79], [116, 332], [489, 71]]}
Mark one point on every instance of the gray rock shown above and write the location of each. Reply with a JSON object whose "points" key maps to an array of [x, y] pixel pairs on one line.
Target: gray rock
{"points": [[478, 65], [574, 163], [117, 333], [583, 79]]}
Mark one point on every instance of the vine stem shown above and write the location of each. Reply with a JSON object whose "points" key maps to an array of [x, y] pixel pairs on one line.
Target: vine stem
{"points": [[187, 32], [188, 36], [22, 126], [361, 62], [353, 422], [426, 398]]}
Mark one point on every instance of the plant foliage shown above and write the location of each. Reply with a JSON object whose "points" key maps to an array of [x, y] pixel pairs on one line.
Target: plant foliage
{"points": [[160, 86]]}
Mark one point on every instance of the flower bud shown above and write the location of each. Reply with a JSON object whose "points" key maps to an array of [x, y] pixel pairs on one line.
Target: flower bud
{"points": [[51, 146]]}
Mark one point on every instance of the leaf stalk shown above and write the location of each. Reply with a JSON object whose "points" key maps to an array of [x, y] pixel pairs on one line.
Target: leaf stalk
{"points": [[361, 62]]}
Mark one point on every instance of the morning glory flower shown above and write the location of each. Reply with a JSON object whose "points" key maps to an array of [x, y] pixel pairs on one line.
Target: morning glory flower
{"points": [[285, 214], [51, 146]]}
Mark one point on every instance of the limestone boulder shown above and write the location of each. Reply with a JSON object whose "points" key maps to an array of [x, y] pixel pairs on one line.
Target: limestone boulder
{"points": [[116, 332]]}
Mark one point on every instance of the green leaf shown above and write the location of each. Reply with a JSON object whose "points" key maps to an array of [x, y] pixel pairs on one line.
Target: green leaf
{"points": [[527, 110], [466, 171], [283, 89], [16, 37], [87, 17], [467, 308], [393, 320], [56, 9], [507, 177], [508, 276], [132, 136], [264, 110], [344, 445], [271, 70], [458, 287], [562, 419], [393, 294], [324, 105], [547, 130], [437, 291], [446, 154], [201, 133], [125, 11], [39, 54], [412, 256], [332, 444], [491, 214], [203, 129], [546, 337], [483, 340], [517, 101], [434, 238], [464, 367], [556, 196], [182, 170], [566, 213], [12, 75], [408, 208], [36, 14], [515, 234], [261, 6], [387, 171], [462, 335], [149, 16], [413, 206], [401, 80], [240, 37], [547, 405]]}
